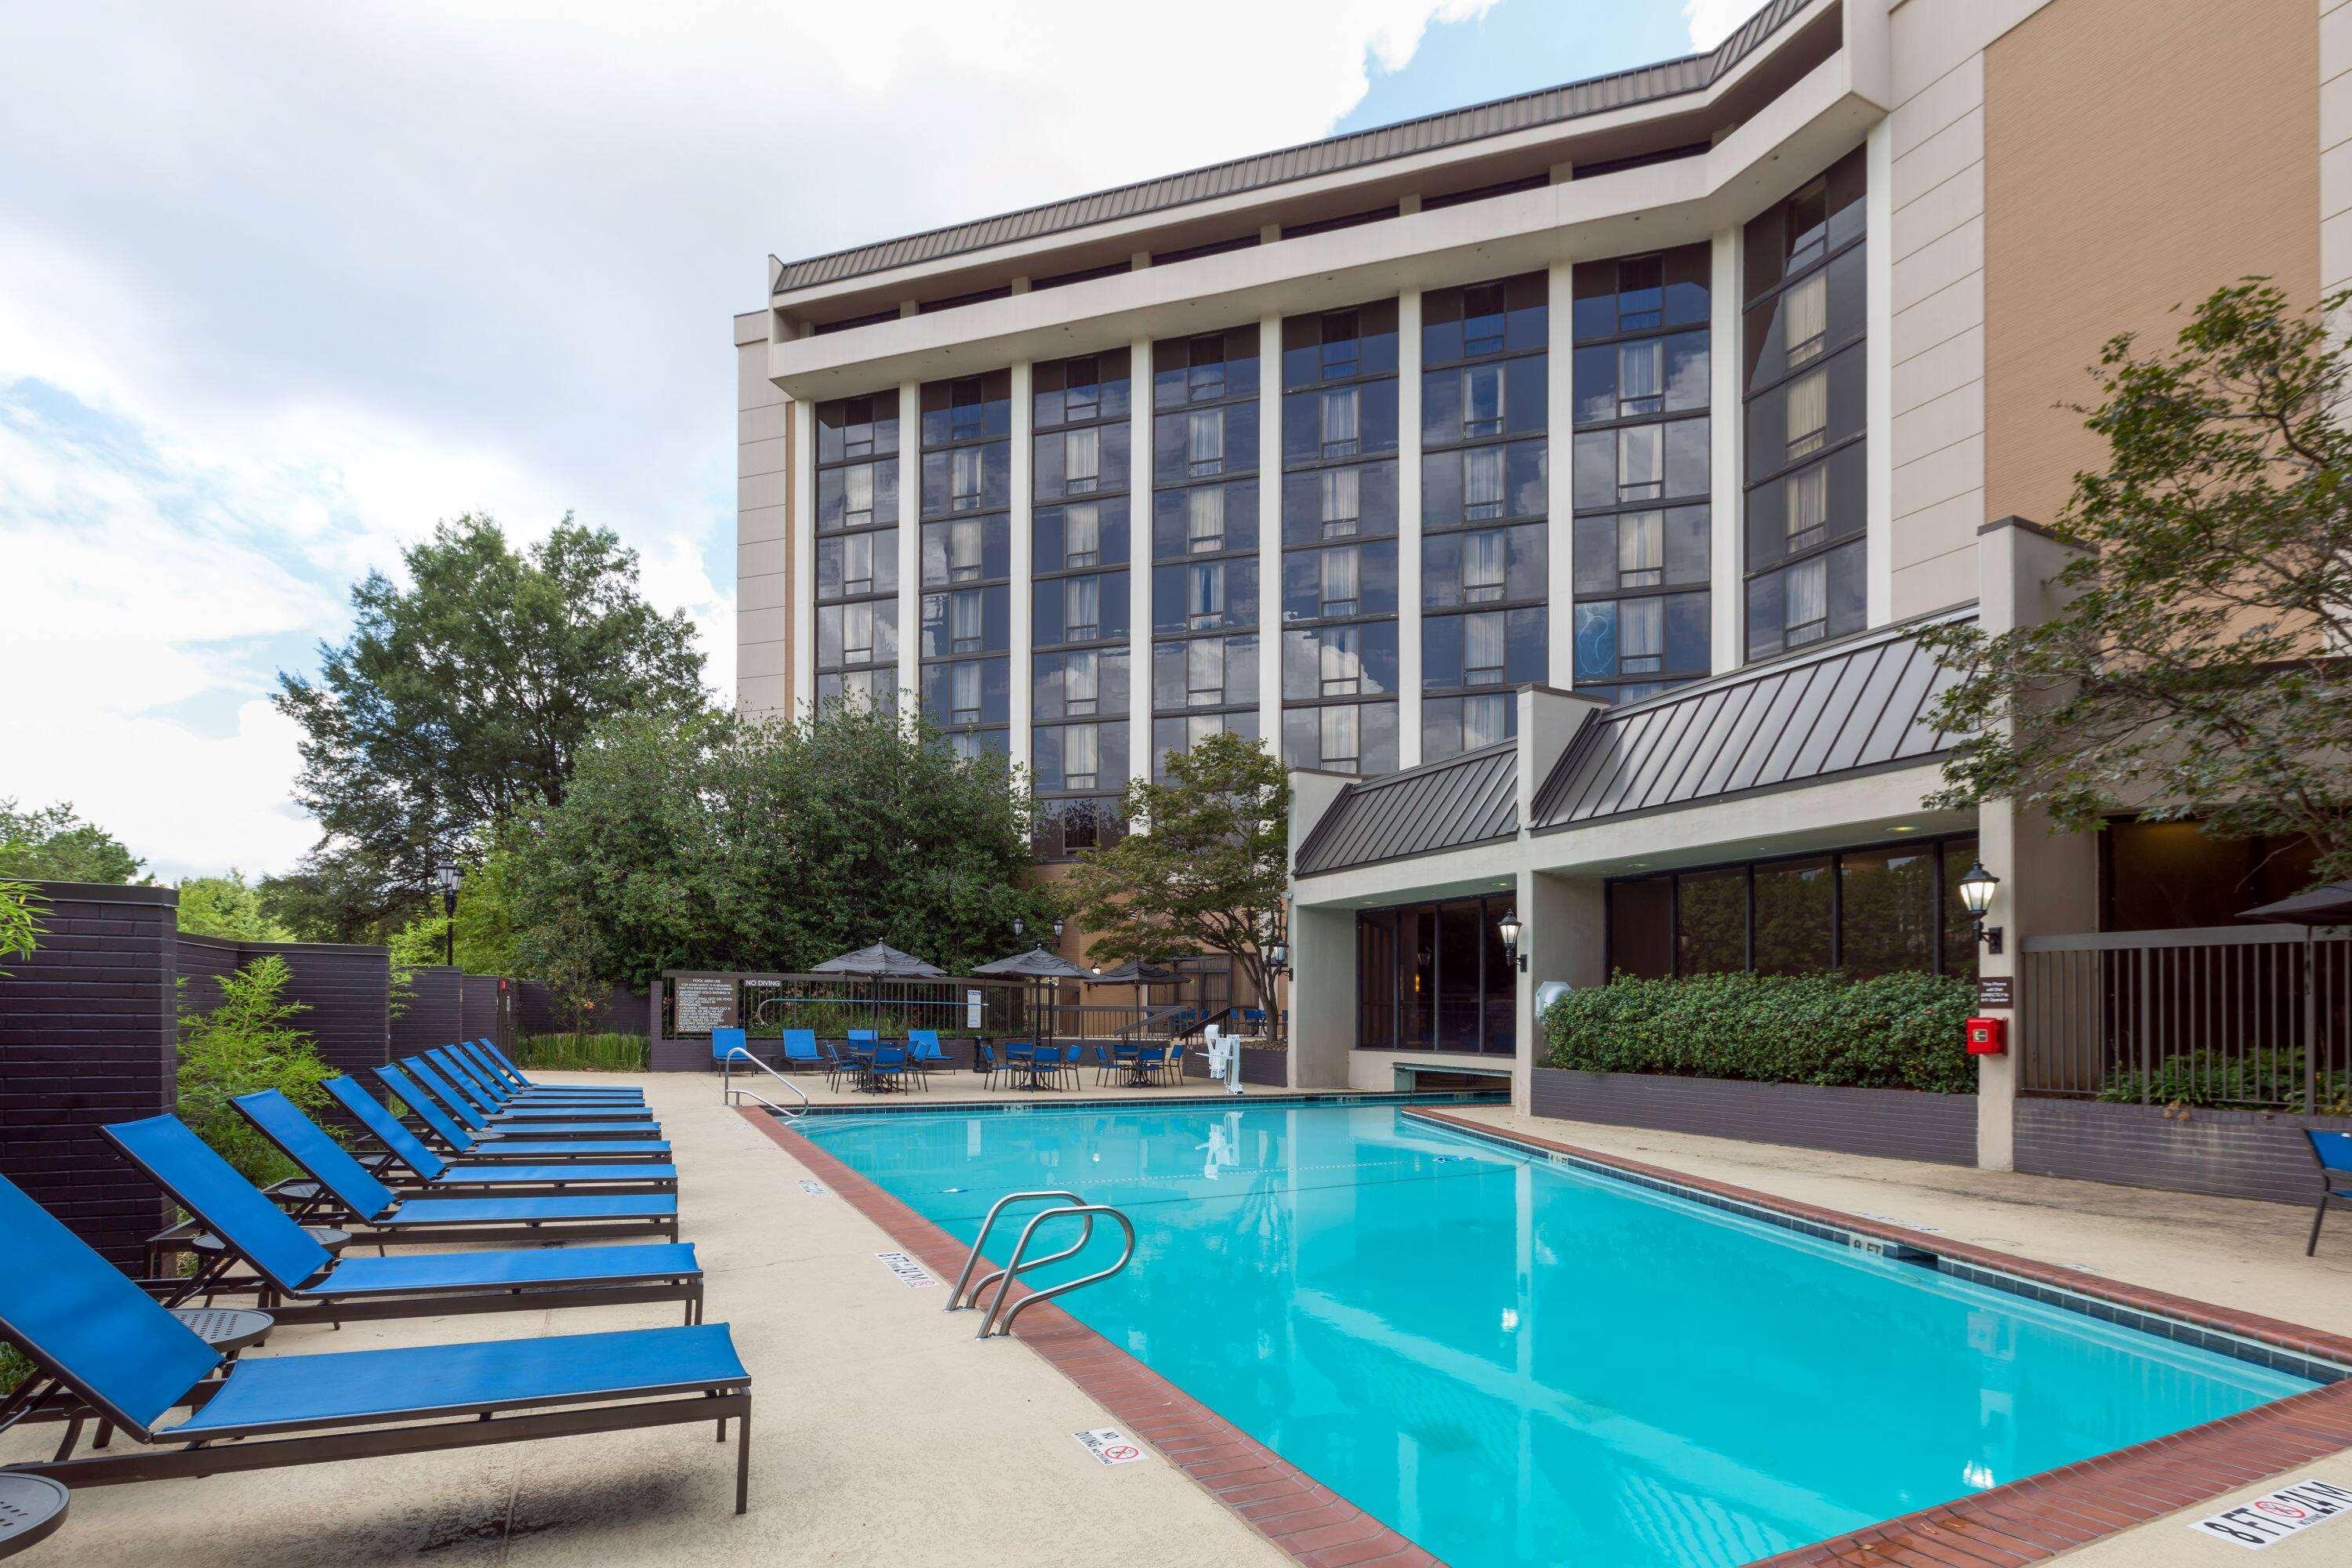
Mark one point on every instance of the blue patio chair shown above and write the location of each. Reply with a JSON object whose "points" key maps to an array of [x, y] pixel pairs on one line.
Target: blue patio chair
{"points": [[432, 1174], [1018, 1057], [462, 1094], [1174, 1070], [869, 1038], [1150, 1062], [1103, 1064], [391, 1217], [887, 1068], [800, 1050], [2333, 1150], [299, 1282], [1253, 1020], [558, 1125], [600, 1139], [985, 1056], [531, 1093], [92, 1331], [1045, 1061], [488, 1048]]}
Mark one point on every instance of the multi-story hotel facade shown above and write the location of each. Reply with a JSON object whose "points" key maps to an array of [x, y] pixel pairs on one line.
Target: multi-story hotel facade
{"points": [[1555, 484]]}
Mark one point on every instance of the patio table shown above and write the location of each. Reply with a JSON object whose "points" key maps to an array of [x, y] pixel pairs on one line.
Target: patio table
{"points": [[31, 1509]]}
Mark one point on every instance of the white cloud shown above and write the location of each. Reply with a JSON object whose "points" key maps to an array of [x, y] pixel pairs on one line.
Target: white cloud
{"points": [[1712, 21], [283, 286]]}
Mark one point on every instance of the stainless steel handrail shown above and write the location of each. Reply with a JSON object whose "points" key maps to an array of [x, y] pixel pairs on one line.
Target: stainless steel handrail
{"points": [[999, 1321], [729, 1095], [957, 1299]]}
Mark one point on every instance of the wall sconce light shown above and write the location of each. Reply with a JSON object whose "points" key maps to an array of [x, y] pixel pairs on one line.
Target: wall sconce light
{"points": [[1976, 894], [1509, 928]]}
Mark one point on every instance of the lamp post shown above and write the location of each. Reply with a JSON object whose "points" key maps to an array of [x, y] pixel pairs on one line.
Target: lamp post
{"points": [[1508, 928], [1976, 894], [446, 876]]}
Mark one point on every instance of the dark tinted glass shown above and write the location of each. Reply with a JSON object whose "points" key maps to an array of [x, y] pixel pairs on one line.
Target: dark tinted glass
{"points": [[1711, 922], [1887, 911], [1792, 916], [1642, 928]]}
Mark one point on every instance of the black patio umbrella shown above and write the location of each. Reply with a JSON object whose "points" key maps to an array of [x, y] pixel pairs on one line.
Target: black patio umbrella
{"points": [[1036, 965], [880, 961], [2329, 904]]}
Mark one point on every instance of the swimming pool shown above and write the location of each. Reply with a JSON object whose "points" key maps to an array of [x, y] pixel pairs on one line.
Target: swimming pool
{"points": [[1511, 1359]]}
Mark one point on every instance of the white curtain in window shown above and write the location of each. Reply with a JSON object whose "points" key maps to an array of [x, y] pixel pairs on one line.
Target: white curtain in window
{"points": [[1483, 565], [1204, 590], [1082, 608], [857, 563], [1808, 599], [963, 692], [964, 540], [1340, 581], [1809, 413], [1082, 681], [857, 496], [1485, 721], [1204, 672], [1640, 376], [1339, 425], [1205, 440], [1338, 735], [1641, 462], [1482, 483], [1081, 458], [857, 634], [964, 619], [964, 482], [1081, 756], [1341, 490], [1482, 400], [1640, 633], [1204, 519], [1641, 549], [1082, 534], [1340, 653], [1806, 307], [1808, 505], [1482, 648]]}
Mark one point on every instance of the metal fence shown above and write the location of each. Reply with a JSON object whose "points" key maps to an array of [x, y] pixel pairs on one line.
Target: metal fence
{"points": [[2223, 1015], [765, 1005]]}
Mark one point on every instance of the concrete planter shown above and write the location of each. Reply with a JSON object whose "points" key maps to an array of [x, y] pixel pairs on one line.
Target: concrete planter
{"points": [[1897, 1124], [2226, 1154]]}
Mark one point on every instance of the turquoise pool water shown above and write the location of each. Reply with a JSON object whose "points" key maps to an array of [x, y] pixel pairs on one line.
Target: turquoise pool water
{"points": [[1513, 1362]]}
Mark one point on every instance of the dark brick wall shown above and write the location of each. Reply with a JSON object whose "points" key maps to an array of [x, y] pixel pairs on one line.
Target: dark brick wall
{"points": [[88, 1034], [349, 993], [432, 1014], [204, 962], [479, 1011], [2227, 1153], [1897, 1124]]}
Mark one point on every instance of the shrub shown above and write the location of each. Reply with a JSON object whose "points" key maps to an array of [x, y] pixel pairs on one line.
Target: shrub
{"points": [[2259, 1077], [1893, 1031], [247, 1043], [584, 1053]]}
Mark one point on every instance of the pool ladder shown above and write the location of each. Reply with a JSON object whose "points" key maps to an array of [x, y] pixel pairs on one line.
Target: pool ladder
{"points": [[997, 1320], [729, 1095]]}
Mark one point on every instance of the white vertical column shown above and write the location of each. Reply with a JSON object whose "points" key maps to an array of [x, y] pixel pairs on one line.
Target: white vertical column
{"points": [[802, 526], [1139, 560], [1023, 552], [1409, 529], [1269, 532], [1878, 354], [1727, 418], [910, 546], [1560, 501]]}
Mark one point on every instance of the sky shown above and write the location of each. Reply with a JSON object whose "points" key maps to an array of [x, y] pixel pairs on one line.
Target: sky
{"points": [[280, 287]]}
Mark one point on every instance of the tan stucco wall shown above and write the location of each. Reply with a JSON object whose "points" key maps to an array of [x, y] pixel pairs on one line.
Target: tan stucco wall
{"points": [[764, 541], [2139, 154]]}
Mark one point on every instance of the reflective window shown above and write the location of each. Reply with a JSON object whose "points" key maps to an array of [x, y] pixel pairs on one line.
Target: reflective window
{"points": [[857, 587]]}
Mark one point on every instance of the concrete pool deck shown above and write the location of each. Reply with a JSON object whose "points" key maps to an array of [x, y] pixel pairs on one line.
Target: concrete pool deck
{"points": [[885, 1434]]}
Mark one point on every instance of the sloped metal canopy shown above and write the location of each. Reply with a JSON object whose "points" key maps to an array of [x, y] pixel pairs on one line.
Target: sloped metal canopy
{"points": [[1857, 706], [1546, 106], [1133, 973], [1470, 799], [1037, 964], [881, 959]]}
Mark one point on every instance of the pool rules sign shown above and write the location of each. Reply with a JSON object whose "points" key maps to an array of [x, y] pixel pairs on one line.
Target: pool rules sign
{"points": [[2259, 1521]]}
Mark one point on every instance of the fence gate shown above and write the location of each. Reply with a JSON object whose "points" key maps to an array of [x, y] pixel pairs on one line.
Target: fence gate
{"points": [[2252, 1016]]}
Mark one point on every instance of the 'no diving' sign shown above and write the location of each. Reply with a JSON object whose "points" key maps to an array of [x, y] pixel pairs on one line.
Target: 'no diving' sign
{"points": [[1110, 1445], [2274, 1516]]}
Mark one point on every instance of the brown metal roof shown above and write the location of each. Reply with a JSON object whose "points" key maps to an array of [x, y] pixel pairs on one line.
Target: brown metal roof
{"points": [[1860, 705], [1470, 799], [1546, 106]]}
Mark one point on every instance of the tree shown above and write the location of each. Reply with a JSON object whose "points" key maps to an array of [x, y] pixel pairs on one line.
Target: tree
{"points": [[484, 927], [2195, 667], [466, 697], [725, 844], [1209, 875], [246, 1043], [54, 845], [226, 907]]}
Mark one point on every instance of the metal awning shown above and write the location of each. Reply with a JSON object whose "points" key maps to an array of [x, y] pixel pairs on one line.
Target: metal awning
{"points": [[1861, 705], [1470, 799]]}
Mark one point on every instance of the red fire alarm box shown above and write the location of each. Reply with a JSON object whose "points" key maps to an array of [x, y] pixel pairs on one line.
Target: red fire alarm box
{"points": [[1988, 1036]]}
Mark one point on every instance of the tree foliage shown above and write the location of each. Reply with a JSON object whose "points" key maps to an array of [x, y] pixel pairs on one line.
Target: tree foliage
{"points": [[53, 844], [228, 907], [246, 1042], [484, 923], [463, 698], [2196, 667], [20, 920], [713, 842], [1211, 873]]}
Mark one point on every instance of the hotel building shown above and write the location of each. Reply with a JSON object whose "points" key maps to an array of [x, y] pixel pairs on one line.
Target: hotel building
{"points": [[1558, 484]]}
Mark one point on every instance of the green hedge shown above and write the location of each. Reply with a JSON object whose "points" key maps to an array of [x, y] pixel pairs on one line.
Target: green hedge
{"points": [[1893, 1031], [584, 1053]]}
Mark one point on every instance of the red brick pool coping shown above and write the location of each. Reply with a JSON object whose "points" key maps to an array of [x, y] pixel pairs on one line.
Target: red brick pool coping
{"points": [[1309, 1521], [2042, 1516]]}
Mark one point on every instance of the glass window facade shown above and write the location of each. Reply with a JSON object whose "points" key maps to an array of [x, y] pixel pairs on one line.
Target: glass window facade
{"points": [[857, 549], [1205, 537], [1485, 491], [1434, 977], [1882, 910], [1804, 564], [967, 498], [1338, 540], [1642, 529], [1080, 560]]}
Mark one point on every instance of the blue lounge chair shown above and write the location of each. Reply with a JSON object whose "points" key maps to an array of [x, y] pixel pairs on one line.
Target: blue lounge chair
{"points": [[299, 1282], [89, 1331], [424, 1169], [472, 1053], [800, 1050], [725, 1043], [489, 1053], [923, 1054], [390, 1217], [461, 1141], [2333, 1150], [432, 1083], [497, 1095], [445, 1082]]}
